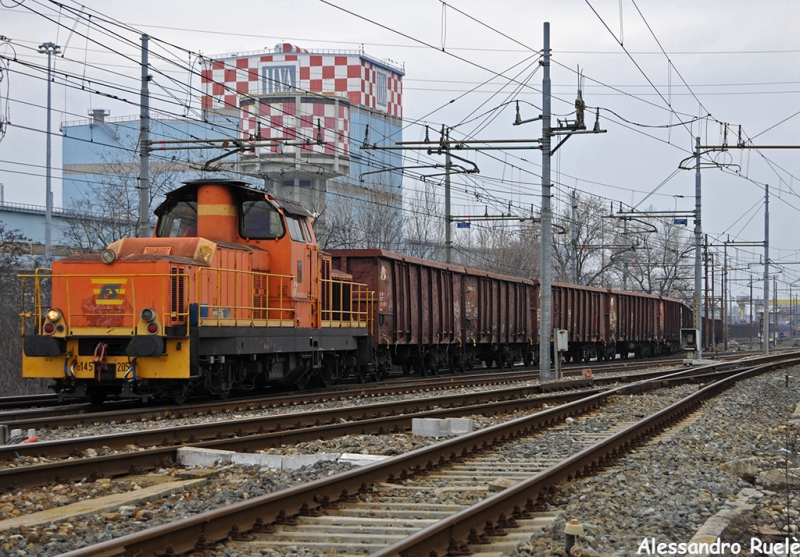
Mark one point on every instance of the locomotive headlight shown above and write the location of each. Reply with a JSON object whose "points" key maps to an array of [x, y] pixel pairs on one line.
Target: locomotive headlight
{"points": [[108, 256], [148, 314], [53, 314]]}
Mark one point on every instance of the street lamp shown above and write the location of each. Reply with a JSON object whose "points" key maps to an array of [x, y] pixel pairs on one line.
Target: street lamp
{"points": [[50, 49]]}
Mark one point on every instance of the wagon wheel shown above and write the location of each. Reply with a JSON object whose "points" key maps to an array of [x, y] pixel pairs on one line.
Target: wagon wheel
{"points": [[379, 374], [429, 370], [407, 369], [362, 375]]}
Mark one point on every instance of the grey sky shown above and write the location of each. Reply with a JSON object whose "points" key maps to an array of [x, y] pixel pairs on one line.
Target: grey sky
{"points": [[739, 58]]}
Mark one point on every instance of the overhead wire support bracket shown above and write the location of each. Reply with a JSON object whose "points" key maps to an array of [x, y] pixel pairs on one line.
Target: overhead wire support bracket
{"points": [[710, 148], [468, 218], [401, 168], [627, 215], [474, 170]]}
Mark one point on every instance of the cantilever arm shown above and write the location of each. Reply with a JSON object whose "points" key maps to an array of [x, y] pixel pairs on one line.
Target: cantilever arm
{"points": [[361, 176]]}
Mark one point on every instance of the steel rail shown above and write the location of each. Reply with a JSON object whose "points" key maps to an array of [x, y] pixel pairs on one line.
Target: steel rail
{"points": [[164, 452], [52, 419], [438, 536], [26, 407], [255, 434], [185, 534], [298, 421], [85, 413]]}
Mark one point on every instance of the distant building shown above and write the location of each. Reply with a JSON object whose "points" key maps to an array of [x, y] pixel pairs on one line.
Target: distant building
{"points": [[319, 107], [105, 151]]}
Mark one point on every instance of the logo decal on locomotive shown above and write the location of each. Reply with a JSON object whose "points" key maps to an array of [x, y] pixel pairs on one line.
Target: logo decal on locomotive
{"points": [[109, 293]]}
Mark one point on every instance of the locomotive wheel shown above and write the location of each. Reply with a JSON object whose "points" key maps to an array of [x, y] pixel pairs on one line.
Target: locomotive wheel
{"points": [[326, 378], [362, 374], [179, 399], [97, 398]]}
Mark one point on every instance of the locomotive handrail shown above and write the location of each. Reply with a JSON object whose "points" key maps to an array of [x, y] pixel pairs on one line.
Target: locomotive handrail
{"points": [[354, 304], [38, 312], [239, 313], [354, 308], [165, 312]]}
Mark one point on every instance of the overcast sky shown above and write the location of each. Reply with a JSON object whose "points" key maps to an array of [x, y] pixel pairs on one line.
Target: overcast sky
{"points": [[740, 60]]}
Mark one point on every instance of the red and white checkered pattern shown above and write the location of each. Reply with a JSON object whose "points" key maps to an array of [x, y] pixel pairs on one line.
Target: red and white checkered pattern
{"points": [[299, 123], [347, 74]]}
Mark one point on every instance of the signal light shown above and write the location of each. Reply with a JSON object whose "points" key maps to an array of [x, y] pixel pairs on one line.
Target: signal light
{"points": [[53, 314], [49, 328], [152, 328], [148, 314]]}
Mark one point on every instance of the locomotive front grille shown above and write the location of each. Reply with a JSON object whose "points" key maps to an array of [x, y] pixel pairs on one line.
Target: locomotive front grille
{"points": [[178, 290]]}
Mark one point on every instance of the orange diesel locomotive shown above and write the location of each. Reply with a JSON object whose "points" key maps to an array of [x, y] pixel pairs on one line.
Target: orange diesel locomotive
{"points": [[231, 292]]}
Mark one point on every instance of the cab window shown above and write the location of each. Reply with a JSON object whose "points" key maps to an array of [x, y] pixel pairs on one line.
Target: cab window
{"points": [[295, 229], [178, 220], [260, 220]]}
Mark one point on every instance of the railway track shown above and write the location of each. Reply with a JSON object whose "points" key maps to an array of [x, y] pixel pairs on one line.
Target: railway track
{"points": [[45, 405], [121, 412], [376, 504], [147, 449]]}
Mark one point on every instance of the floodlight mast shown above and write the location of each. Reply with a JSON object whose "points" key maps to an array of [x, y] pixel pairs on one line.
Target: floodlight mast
{"points": [[50, 49]]}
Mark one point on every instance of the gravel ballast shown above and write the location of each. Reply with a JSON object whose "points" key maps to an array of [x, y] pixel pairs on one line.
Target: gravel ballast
{"points": [[664, 490]]}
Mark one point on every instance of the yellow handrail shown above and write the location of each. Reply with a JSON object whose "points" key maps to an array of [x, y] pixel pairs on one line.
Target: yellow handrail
{"points": [[164, 313], [237, 312], [352, 306]]}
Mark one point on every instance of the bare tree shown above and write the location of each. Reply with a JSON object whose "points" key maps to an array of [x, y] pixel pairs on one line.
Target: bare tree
{"points": [[108, 210], [656, 263], [501, 247], [368, 217], [596, 244], [423, 225], [13, 261]]}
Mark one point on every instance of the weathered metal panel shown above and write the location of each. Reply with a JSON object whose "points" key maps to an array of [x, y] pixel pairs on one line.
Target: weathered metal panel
{"points": [[470, 289], [429, 303]]}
